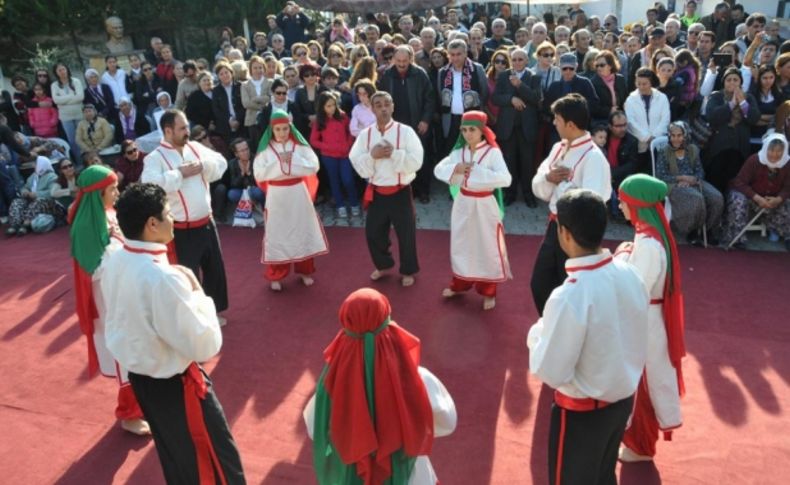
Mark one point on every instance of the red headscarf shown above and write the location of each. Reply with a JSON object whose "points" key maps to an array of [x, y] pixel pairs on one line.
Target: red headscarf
{"points": [[403, 416]]}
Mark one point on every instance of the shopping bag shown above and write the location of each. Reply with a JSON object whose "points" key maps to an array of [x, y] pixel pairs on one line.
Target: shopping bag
{"points": [[242, 216]]}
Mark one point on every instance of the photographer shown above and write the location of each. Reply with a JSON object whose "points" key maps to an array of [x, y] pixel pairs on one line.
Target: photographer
{"points": [[293, 23]]}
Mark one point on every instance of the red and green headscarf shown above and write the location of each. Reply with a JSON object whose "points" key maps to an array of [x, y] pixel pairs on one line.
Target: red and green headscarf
{"points": [[89, 236], [644, 196], [480, 120], [372, 412], [280, 117]]}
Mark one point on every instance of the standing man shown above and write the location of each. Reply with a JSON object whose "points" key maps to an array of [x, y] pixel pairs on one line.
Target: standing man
{"points": [[185, 169], [498, 39], [415, 105], [570, 83], [574, 162], [187, 86], [720, 24], [462, 86], [518, 95], [590, 346], [423, 57], [512, 23], [405, 24], [622, 153], [166, 71], [159, 325], [293, 23], [389, 154]]}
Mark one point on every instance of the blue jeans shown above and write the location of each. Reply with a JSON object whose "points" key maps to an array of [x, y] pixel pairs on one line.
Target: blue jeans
{"points": [[256, 194], [70, 127], [341, 173]]}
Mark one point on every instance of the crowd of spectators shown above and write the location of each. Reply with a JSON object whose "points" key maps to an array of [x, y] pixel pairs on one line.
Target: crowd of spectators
{"points": [[691, 99]]}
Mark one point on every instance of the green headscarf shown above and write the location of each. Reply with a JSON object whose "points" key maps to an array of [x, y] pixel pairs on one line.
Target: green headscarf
{"points": [[89, 232], [647, 191], [280, 116]]}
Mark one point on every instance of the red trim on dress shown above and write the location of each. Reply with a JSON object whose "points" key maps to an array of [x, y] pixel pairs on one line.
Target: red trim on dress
{"points": [[578, 404], [560, 447], [180, 195], [156, 252], [589, 267]]}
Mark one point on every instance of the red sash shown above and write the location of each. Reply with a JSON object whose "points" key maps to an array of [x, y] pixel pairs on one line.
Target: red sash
{"points": [[195, 390], [578, 404], [191, 224]]}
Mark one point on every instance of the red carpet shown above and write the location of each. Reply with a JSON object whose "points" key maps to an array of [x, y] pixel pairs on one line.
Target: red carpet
{"points": [[58, 427]]}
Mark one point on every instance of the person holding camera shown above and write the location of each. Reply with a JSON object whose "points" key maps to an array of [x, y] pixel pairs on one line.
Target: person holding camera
{"points": [[293, 23]]}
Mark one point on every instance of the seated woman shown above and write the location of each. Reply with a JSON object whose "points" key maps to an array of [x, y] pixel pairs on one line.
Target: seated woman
{"points": [[65, 189], [35, 199], [164, 102], [344, 418], [94, 133], [129, 165], [694, 201], [762, 183]]}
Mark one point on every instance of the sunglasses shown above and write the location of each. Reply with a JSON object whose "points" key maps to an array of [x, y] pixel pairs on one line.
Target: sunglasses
{"points": [[568, 68], [602, 64], [281, 93], [130, 152], [199, 139], [301, 54], [547, 55], [620, 125], [147, 69], [501, 61], [387, 58], [67, 165]]}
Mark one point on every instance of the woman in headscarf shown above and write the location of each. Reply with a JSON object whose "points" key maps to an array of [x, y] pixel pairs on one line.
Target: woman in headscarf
{"points": [[285, 169], [164, 103], [654, 254], [762, 183], [694, 201], [476, 169], [34, 199], [375, 412], [95, 235]]}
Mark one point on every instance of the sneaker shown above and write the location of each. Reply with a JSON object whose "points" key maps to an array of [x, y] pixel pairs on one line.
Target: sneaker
{"points": [[342, 212], [355, 211], [11, 231]]}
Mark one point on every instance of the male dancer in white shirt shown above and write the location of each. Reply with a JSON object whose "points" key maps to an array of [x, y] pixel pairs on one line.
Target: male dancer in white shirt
{"points": [[389, 154], [185, 169], [159, 335], [590, 346], [574, 162]]}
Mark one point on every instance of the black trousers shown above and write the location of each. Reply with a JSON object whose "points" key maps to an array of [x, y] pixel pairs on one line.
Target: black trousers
{"points": [[198, 249], [452, 134], [723, 168], [586, 443], [549, 270], [520, 159], [422, 184], [396, 210], [162, 402]]}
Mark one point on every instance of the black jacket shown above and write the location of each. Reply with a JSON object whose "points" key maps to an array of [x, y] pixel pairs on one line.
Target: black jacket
{"points": [[628, 151], [529, 92], [605, 95], [145, 92], [219, 105], [265, 116], [199, 109], [141, 125], [105, 104], [422, 97], [303, 108], [580, 86]]}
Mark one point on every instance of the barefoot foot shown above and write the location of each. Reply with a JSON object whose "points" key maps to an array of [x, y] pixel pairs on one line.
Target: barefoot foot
{"points": [[407, 280], [276, 286], [448, 293], [489, 303], [307, 281]]}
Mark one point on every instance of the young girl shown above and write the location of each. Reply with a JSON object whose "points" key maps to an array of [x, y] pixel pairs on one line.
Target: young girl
{"points": [[362, 115], [332, 138], [286, 168], [477, 245], [43, 118]]}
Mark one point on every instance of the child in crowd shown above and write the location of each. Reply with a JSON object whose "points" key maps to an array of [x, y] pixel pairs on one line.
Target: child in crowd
{"points": [[331, 136], [599, 134], [43, 118]]}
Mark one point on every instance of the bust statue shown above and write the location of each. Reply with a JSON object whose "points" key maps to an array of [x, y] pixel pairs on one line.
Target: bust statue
{"points": [[117, 43]]}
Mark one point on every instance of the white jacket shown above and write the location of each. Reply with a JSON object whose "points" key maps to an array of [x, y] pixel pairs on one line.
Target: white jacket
{"points": [[643, 125]]}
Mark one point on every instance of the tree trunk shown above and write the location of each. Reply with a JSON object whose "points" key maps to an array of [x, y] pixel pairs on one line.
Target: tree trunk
{"points": [[76, 45]]}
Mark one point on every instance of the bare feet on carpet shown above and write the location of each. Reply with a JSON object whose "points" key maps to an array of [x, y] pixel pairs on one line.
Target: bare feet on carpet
{"points": [[627, 455], [407, 280], [276, 286], [222, 320], [307, 281], [377, 275], [136, 426], [448, 293], [489, 303]]}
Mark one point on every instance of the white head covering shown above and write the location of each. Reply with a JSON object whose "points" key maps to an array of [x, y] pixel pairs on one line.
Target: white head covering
{"points": [[763, 155], [164, 94], [43, 165], [91, 72]]}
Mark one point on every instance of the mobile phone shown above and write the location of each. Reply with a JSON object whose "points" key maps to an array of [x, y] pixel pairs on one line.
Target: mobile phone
{"points": [[722, 59]]}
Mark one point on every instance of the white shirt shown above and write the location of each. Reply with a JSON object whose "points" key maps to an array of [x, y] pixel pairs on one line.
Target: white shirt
{"points": [[189, 198], [156, 325], [406, 158], [592, 338], [587, 163], [117, 84], [229, 91], [642, 123], [457, 107]]}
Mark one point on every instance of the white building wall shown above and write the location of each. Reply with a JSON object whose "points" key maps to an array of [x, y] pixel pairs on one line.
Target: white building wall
{"points": [[634, 10]]}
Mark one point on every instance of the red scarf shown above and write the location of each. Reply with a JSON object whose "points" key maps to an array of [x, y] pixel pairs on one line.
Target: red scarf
{"points": [[466, 75]]}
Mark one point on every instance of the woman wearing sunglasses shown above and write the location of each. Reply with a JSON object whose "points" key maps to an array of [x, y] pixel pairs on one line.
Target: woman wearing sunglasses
{"points": [[500, 63], [129, 165], [609, 84]]}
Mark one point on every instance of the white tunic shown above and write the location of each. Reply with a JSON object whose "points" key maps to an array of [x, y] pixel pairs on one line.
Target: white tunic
{"points": [[592, 338], [444, 421], [650, 259], [477, 236], [107, 365], [189, 198], [293, 231], [400, 168], [156, 324], [588, 166]]}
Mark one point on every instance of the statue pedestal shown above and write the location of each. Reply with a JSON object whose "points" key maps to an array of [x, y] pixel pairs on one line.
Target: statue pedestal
{"points": [[97, 61]]}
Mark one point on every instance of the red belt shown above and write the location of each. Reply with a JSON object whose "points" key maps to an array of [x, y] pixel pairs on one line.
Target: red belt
{"points": [[284, 183], [578, 404], [471, 193], [388, 189], [192, 224], [657, 301], [195, 390]]}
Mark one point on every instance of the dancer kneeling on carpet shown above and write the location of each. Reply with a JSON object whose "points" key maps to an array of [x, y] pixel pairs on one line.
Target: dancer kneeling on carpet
{"points": [[160, 323], [286, 168], [476, 169], [94, 236], [655, 256], [375, 412], [389, 154], [590, 346]]}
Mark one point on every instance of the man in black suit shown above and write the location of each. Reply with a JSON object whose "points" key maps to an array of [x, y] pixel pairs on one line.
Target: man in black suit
{"points": [[621, 151], [228, 117], [518, 93], [570, 83]]}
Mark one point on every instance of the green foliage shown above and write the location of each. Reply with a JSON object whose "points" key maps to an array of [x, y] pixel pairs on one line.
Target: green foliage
{"points": [[46, 58]]}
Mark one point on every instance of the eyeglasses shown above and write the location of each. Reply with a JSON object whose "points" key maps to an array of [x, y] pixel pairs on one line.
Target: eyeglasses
{"points": [[607, 24], [387, 58], [602, 64], [547, 55], [519, 59], [66, 165], [147, 69], [131, 152], [568, 68], [301, 54], [620, 125], [281, 93], [310, 74], [501, 61]]}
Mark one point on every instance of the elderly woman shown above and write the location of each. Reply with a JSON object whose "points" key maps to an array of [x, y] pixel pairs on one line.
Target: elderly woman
{"points": [[99, 95], [164, 102], [609, 84], [94, 133], [34, 199], [762, 183], [731, 113], [694, 201]]}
